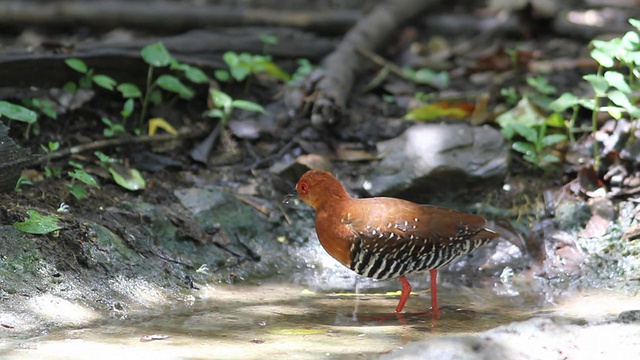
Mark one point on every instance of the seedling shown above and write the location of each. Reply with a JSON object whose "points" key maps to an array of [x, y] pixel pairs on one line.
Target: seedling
{"points": [[128, 178], [78, 174], [243, 65], [48, 149], [225, 105]]}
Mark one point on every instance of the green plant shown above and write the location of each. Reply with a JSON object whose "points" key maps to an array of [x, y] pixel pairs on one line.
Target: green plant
{"points": [[48, 149], [613, 91], [243, 65], [112, 128], [529, 131], [89, 77], [78, 177], [225, 105], [155, 55], [126, 177], [21, 182], [304, 68], [45, 106], [268, 40], [19, 113]]}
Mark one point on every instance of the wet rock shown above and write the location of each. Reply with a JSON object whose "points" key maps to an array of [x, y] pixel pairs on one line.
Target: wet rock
{"points": [[439, 156], [631, 316], [537, 338]]}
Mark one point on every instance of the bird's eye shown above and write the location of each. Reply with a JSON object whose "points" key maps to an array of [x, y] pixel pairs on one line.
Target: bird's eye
{"points": [[303, 188]]}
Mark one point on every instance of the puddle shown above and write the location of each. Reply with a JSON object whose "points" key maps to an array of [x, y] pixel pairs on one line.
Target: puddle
{"points": [[278, 320]]}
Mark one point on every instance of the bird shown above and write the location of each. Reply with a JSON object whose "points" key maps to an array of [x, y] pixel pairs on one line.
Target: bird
{"points": [[384, 237]]}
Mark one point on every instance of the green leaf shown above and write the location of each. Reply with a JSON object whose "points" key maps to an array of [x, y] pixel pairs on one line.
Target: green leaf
{"points": [[553, 139], [75, 164], [195, 75], [78, 191], [38, 224], [215, 113], [127, 108], [85, 82], [240, 72], [83, 176], [231, 58], [541, 84], [128, 178], [50, 112], [129, 90], [220, 99], [247, 105], [523, 147], [588, 104], [70, 87], [104, 158], [630, 41], [156, 54], [77, 65], [527, 132], [619, 98], [104, 81], [222, 75], [156, 97], [617, 80], [549, 159], [17, 112], [555, 120], [635, 23], [173, 84], [599, 84], [602, 58], [564, 102], [269, 39], [614, 111]]}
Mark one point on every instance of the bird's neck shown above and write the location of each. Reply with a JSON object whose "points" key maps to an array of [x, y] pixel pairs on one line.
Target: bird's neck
{"points": [[331, 199]]}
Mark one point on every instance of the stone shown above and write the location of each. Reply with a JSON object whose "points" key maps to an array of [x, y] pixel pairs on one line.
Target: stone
{"points": [[441, 157]]}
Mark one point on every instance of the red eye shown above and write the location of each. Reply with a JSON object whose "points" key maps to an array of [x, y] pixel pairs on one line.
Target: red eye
{"points": [[303, 188]]}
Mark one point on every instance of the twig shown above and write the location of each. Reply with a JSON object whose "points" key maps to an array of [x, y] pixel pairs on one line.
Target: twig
{"points": [[379, 60], [100, 144], [279, 154]]}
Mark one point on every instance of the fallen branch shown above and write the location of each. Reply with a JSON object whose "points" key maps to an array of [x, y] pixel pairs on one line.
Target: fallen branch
{"points": [[104, 143], [342, 65]]}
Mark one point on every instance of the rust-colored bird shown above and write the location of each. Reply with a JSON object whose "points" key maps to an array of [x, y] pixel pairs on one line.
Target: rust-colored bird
{"points": [[385, 238]]}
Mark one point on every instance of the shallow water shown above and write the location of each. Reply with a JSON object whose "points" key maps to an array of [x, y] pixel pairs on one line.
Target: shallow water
{"points": [[286, 320], [281, 320]]}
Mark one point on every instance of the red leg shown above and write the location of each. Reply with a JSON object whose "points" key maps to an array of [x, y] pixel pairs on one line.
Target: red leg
{"points": [[406, 290], [434, 293]]}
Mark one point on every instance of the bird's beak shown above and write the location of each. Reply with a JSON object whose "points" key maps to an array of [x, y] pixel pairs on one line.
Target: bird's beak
{"points": [[292, 194]]}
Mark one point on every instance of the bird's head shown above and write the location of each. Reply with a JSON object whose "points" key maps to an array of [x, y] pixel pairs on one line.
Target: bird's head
{"points": [[316, 188]]}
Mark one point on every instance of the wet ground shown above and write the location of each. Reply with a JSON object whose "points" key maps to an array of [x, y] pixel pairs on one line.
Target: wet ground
{"points": [[284, 320]]}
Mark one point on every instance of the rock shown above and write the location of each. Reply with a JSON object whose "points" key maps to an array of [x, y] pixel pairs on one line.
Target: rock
{"points": [[537, 338], [439, 156], [12, 158]]}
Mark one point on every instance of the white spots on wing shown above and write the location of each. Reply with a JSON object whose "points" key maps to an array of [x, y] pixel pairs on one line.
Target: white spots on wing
{"points": [[416, 219]]}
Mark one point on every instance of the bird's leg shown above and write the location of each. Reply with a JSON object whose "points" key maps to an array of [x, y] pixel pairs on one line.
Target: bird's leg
{"points": [[434, 292], [406, 290]]}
